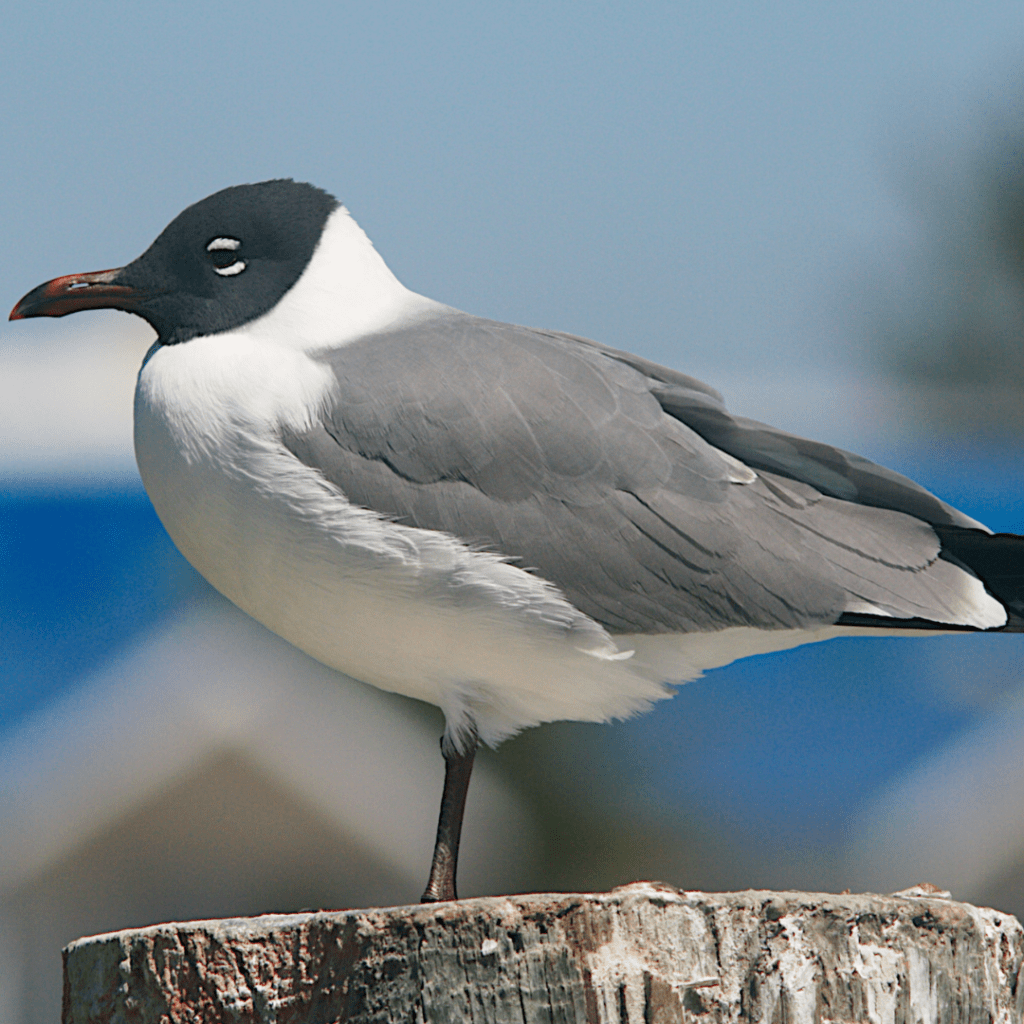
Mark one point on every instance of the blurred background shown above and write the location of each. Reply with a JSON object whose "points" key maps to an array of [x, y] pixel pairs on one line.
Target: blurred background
{"points": [[818, 208]]}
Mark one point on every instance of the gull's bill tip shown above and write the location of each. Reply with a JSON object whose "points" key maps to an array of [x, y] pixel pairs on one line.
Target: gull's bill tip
{"points": [[74, 292]]}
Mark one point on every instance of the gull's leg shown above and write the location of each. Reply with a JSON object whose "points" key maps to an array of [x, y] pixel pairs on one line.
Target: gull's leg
{"points": [[457, 770]]}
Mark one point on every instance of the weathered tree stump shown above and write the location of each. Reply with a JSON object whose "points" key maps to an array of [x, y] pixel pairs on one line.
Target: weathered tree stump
{"points": [[642, 953]]}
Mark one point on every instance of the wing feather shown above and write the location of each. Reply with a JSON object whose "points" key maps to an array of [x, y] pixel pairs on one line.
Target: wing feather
{"points": [[605, 474]]}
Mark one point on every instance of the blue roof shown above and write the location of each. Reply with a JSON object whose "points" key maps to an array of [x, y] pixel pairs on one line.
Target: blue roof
{"points": [[81, 572]]}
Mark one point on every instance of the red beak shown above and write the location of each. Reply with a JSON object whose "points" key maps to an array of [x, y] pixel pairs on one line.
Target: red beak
{"points": [[69, 294]]}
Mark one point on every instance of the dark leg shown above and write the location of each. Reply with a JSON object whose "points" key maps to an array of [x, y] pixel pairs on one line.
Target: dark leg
{"points": [[457, 769]]}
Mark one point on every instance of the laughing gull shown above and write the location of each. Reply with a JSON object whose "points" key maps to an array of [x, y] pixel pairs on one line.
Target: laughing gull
{"points": [[516, 525]]}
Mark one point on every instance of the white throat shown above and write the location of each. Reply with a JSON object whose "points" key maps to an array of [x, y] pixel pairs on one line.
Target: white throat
{"points": [[345, 293]]}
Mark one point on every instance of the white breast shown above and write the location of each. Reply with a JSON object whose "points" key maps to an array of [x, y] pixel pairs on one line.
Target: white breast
{"points": [[408, 610]]}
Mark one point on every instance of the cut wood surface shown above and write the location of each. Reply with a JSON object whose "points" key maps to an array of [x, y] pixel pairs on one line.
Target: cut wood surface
{"points": [[641, 953]]}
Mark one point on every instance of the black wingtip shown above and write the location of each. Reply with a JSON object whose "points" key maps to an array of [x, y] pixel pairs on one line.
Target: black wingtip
{"points": [[997, 559]]}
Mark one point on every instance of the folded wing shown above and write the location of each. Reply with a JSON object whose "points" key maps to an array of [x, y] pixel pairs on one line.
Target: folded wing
{"points": [[630, 487]]}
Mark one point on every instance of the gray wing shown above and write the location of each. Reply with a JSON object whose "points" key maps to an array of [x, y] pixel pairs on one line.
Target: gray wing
{"points": [[600, 472]]}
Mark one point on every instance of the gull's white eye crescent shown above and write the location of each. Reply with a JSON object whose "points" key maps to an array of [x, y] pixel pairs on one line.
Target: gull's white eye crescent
{"points": [[221, 251]]}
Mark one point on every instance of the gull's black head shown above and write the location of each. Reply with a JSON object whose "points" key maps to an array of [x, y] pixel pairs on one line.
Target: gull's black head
{"points": [[219, 264]]}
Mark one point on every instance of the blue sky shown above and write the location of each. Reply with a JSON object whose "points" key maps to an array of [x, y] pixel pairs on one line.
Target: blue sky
{"points": [[692, 181]]}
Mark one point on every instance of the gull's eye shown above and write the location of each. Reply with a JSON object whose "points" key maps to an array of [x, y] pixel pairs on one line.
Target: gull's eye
{"points": [[223, 256]]}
